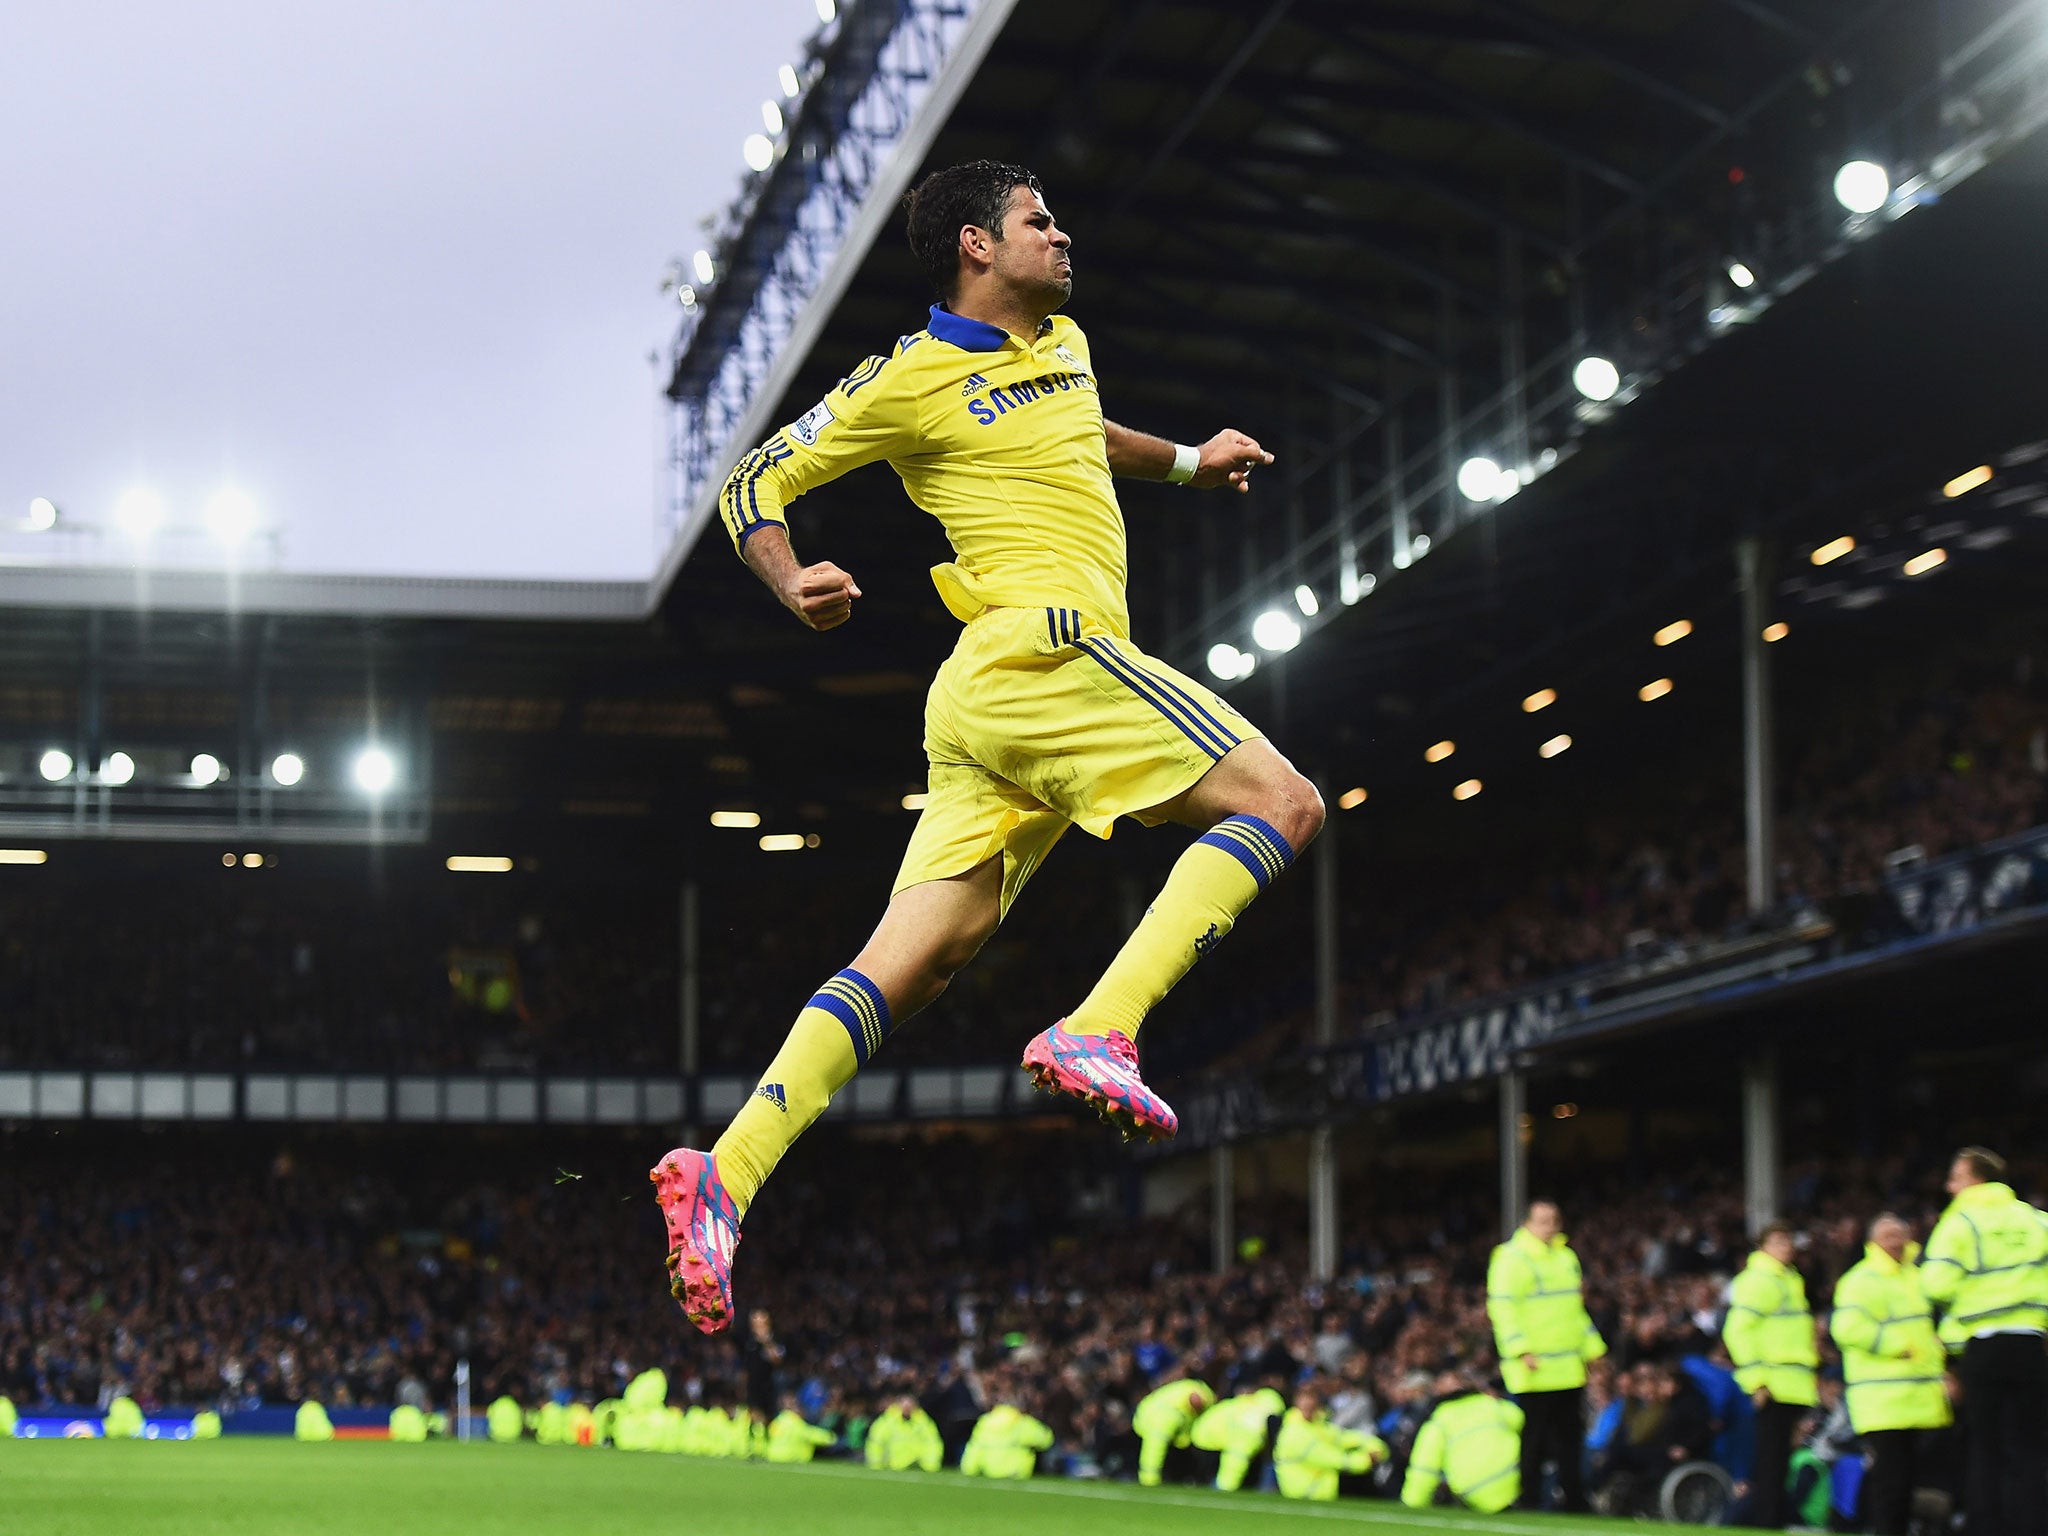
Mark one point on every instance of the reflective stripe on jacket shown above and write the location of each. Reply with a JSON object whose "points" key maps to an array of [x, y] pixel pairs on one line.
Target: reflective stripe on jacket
{"points": [[1535, 1298], [1769, 1332], [1987, 1264], [1891, 1360]]}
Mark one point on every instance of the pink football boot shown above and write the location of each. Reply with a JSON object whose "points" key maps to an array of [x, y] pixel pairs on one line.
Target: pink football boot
{"points": [[1102, 1072], [703, 1231]]}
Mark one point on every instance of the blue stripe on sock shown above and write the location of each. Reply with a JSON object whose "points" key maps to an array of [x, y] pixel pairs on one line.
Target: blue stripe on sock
{"points": [[1265, 830], [1174, 689], [842, 1010], [1115, 666], [873, 993], [1242, 854]]}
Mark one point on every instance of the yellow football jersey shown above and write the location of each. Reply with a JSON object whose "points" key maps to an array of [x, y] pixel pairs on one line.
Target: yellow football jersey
{"points": [[997, 437]]}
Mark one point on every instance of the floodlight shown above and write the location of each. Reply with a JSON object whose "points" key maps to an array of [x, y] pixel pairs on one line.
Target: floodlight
{"points": [[782, 842], [1672, 633], [54, 764], [1352, 798], [1306, 600], [42, 514], [771, 117], [1479, 479], [1418, 546], [206, 769], [1652, 691], [1862, 186], [1967, 481], [479, 864], [1555, 745], [735, 818], [702, 266], [23, 856], [1467, 790], [786, 78], [1275, 631], [1920, 565], [287, 768], [1596, 378], [1439, 751], [140, 512], [1740, 275], [1224, 659], [686, 296], [917, 801], [230, 516], [1773, 633], [117, 768], [827, 9], [758, 150], [1833, 550], [373, 770], [1542, 698]]}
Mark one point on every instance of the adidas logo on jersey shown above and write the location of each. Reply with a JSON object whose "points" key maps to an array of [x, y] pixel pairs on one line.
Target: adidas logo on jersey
{"points": [[974, 383], [773, 1093]]}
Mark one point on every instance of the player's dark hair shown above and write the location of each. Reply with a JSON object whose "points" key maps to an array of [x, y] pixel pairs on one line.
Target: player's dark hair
{"points": [[1773, 1229], [945, 202], [1983, 1163]]}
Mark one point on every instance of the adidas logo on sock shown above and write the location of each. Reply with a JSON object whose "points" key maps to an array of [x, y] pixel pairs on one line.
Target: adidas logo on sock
{"points": [[773, 1093]]}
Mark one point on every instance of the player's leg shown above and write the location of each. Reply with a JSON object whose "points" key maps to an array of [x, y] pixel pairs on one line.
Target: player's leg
{"points": [[930, 930], [1256, 813]]}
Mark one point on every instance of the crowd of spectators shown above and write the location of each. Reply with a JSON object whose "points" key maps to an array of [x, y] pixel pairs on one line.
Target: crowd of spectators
{"points": [[207, 1277]]}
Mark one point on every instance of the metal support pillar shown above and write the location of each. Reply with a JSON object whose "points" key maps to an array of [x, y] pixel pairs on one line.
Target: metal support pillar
{"points": [[1514, 1151], [1752, 565], [1222, 1207], [689, 1002], [1762, 1154], [1322, 1150]]}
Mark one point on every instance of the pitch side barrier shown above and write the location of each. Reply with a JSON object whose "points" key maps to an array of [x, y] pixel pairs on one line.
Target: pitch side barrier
{"points": [[1924, 907]]}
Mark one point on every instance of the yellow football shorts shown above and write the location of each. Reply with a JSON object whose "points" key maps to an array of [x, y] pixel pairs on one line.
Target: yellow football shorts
{"points": [[1043, 718]]}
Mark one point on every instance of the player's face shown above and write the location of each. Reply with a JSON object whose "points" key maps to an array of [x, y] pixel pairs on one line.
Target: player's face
{"points": [[1033, 256]]}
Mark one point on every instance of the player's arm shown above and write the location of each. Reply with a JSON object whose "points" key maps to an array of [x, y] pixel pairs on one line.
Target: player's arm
{"points": [[1228, 458], [870, 414]]}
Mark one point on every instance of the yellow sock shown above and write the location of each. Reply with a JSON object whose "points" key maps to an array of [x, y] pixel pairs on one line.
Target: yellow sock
{"points": [[843, 1024], [1210, 885]]}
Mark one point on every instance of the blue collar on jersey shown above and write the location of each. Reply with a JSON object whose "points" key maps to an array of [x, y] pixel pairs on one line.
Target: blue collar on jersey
{"points": [[972, 335]]}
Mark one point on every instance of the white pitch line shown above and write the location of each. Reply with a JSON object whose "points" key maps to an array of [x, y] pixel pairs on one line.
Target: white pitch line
{"points": [[1356, 1514]]}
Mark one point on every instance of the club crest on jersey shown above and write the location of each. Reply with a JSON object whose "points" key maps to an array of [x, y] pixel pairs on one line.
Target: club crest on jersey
{"points": [[805, 428], [973, 383], [1065, 355]]}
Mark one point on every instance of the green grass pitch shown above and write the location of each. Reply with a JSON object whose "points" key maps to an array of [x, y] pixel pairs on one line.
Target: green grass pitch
{"points": [[254, 1487]]}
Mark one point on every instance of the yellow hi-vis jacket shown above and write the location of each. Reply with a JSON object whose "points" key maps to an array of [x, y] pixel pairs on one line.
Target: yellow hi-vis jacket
{"points": [[1238, 1423], [1005, 1443], [506, 1420], [1535, 1298], [1169, 1412], [1987, 1264], [900, 1441], [792, 1437], [1769, 1332], [311, 1423], [1473, 1446], [1310, 1454], [1891, 1360]]}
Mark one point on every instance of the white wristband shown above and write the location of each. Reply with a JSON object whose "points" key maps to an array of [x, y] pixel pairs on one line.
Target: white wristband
{"points": [[1185, 462]]}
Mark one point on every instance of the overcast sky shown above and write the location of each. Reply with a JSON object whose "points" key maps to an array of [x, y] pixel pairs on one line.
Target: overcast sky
{"points": [[391, 269]]}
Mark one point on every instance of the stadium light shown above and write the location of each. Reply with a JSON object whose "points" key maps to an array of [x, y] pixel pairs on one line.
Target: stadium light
{"points": [[1862, 186], [1542, 698], [287, 768], [1650, 692], [1352, 798], [140, 512], [702, 265], [54, 764], [736, 818], [1921, 564], [1773, 633], [782, 842], [1306, 600], [230, 516], [252, 861], [1467, 790], [758, 150], [1225, 659], [206, 769], [827, 9], [117, 768], [1596, 378], [42, 514], [373, 770], [1479, 480], [1556, 744], [1740, 275], [23, 856], [786, 78], [1356, 585], [1967, 482], [771, 116], [1832, 551], [1438, 752], [1275, 631], [1673, 632], [1418, 546], [479, 864], [917, 801]]}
